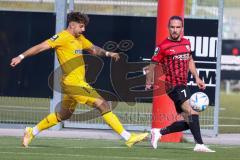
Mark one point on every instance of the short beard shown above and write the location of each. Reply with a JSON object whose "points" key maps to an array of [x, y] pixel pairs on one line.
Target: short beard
{"points": [[175, 39]]}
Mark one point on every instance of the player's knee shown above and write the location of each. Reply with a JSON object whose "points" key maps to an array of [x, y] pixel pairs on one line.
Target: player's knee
{"points": [[63, 116], [59, 119], [190, 112], [187, 109], [102, 105]]}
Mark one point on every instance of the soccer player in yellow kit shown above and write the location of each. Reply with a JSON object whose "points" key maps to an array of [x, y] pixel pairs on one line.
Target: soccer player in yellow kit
{"points": [[69, 45]]}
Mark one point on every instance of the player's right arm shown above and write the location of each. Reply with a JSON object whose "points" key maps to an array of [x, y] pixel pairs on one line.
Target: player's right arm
{"points": [[30, 52], [150, 68]]}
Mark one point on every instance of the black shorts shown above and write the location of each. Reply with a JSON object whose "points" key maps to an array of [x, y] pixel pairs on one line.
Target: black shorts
{"points": [[179, 94]]}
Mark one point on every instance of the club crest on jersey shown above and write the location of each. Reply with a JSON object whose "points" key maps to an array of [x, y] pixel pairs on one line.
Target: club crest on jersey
{"points": [[53, 38], [188, 47], [157, 49]]}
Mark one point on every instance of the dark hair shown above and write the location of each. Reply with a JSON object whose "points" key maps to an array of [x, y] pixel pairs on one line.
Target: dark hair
{"points": [[175, 18], [77, 17]]}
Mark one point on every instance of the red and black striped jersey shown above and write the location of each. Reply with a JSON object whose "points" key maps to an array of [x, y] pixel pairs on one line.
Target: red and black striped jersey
{"points": [[174, 56]]}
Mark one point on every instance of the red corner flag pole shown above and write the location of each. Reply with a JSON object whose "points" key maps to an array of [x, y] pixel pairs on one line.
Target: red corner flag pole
{"points": [[163, 111]]}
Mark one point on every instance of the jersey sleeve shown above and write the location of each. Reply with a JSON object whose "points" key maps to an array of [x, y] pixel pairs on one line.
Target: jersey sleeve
{"points": [[187, 43], [190, 48], [86, 43], [158, 55], [56, 41]]}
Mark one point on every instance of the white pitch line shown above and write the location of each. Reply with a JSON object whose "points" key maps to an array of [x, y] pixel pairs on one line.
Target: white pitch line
{"points": [[214, 146], [188, 147], [80, 155], [33, 147], [222, 125], [229, 125], [3, 107], [222, 109], [208, 62], [95, 147], [228, 147], [232, 118]]}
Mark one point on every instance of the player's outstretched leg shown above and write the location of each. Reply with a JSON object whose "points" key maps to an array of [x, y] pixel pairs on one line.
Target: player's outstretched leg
{"points": [[135, 138], [192, 117], [157, 133], [195, 130], [28, 136], [131, 138], [29, 133]]}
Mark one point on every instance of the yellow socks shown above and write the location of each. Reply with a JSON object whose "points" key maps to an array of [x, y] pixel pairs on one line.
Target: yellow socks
{"points": [[112, 120], [48, 122]]}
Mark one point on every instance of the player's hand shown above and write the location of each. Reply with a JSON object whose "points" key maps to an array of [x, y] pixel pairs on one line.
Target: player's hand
{"points": [[146, 70], [114, 56], [15, 61], [148, 86], [200, 83]]}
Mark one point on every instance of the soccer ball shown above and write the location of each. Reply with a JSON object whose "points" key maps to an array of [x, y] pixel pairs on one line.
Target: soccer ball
{"points": [[199, 101]]}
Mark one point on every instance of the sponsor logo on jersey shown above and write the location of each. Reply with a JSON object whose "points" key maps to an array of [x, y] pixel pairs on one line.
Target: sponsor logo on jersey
{"points": [[157, 49], [53, 38], [172, 50], [78, 51], [182, 56]]}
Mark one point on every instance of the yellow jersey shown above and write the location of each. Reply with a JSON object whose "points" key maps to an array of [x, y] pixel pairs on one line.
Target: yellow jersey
{"points": [[69, 53]]}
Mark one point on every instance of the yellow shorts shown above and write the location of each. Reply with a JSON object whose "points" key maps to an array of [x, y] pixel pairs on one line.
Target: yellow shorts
{"points": [[82, 93]]}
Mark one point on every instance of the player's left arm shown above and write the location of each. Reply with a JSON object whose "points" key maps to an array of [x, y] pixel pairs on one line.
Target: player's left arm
{"points": [[193, 70], [102, 52]]}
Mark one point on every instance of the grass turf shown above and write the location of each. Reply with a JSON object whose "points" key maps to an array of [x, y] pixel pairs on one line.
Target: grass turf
{"points": [[73, 149]]}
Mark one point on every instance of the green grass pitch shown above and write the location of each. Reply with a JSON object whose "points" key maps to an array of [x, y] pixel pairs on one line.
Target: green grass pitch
{"points": [[76, 149]]}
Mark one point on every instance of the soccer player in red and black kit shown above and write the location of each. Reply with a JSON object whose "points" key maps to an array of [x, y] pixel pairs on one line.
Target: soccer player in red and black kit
{"points": [[174, 54]]}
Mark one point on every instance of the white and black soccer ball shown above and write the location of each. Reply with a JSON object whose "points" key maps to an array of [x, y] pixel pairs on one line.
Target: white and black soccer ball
{"points": [[199, 101]]}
